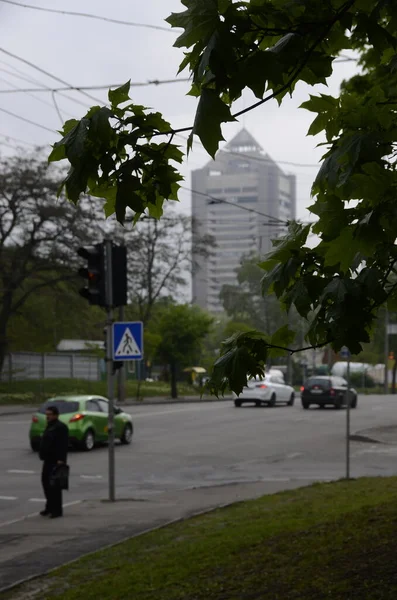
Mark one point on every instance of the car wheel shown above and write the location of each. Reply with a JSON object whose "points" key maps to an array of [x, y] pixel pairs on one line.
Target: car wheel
{"points": [[291, 400], [88, 441], [354, 402], [258, 403], [273, 400], [338, 405], [35, 445], [305, 404], [237, 403], [126, 438]]}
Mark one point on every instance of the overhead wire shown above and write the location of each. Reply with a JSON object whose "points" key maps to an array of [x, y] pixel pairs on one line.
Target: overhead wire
{"points": [[44, 88], [7, 137], [16, 89], [47, 73], [8, 112], [89, 16], [102, 86], [261, 159], [223, 201]]}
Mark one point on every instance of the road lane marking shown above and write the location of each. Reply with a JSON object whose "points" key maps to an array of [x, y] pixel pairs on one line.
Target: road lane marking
{"points": [[91, 476], [21, 471], [294, 455], [8, 498], [168, 412], [14, 422], [36, 499]]}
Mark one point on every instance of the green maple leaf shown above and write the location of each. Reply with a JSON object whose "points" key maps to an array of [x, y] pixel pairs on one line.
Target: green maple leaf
{"points": [[211, 112]]}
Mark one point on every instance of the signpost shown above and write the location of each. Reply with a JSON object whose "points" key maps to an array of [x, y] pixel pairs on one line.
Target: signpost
{"points": [[106, 285], [345, 353]]}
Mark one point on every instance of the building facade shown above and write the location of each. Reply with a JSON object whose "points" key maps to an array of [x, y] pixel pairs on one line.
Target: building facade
{"points": [[226, 194]]}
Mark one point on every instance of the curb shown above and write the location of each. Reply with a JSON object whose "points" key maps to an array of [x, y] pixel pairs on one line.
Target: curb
{"points": [[122, 541], [357, 437], [31, 409]]}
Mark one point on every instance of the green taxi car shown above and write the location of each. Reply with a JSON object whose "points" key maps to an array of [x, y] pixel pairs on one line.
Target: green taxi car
{"points": [[87, 420]]}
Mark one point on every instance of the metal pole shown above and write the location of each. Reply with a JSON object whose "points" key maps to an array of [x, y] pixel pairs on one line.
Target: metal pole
{"points": [[386, 382], [109, 367], [348, 421], [121, 375]]}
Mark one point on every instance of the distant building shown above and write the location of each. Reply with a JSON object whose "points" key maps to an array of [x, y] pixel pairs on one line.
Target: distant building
{"points": [[245, 176]]}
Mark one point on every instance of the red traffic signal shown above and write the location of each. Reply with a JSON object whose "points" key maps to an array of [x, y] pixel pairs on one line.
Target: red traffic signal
{"points": [[94, 273]]}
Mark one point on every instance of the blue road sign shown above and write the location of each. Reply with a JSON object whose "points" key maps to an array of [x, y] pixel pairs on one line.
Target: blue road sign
{"points": [[344, 352], [127, 341]]}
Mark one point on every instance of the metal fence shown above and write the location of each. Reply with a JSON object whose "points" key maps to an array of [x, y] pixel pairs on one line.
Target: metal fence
{"points": [[19, 366]]}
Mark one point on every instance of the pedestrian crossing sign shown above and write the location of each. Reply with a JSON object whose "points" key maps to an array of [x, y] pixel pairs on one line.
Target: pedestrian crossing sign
{"points": [[127, 341]]}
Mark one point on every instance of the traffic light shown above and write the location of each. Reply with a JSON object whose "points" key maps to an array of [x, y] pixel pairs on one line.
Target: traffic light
{"points": [[94, 273], [119, 275], [391, 355]]}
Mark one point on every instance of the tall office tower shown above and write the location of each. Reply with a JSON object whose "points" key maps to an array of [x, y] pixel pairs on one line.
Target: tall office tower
{"points": [[242, 177]]}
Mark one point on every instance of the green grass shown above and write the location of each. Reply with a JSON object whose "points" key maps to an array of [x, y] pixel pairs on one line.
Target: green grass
{"points": [[325, 541], [36, 391]]}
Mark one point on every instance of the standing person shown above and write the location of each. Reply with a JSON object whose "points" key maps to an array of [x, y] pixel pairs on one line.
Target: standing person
{"points": [[53, 452]]}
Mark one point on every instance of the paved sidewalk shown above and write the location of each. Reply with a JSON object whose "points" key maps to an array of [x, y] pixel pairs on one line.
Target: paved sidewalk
{"points": [[35, 545], [24, 409]]}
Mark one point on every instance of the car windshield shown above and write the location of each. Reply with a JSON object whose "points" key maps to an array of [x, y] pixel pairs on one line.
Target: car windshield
{"points": [[64, 406]]}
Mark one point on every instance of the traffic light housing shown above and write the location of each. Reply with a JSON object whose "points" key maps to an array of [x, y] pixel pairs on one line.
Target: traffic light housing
{"points": [[119, 275], [391, 355], [96, 290], [94, 273]]}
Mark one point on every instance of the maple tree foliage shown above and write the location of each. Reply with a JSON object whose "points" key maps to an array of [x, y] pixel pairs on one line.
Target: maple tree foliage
{"points": [[125, 154]]}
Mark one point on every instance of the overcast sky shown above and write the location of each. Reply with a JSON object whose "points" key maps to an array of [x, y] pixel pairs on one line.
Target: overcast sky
{"points": [[83, 51]]}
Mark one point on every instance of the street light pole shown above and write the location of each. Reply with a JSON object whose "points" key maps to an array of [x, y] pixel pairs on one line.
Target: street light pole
{"points": [[348, 421]]}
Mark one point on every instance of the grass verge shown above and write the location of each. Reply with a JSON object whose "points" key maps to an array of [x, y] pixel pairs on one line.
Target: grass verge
{"points": [[325, 541], [36, 391]]}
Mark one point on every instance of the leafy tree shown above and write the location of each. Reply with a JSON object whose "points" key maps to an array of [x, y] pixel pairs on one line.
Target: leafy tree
{"points": [[36, 235], [182, 329], [56, 313], [245, 302], [125, 154]]}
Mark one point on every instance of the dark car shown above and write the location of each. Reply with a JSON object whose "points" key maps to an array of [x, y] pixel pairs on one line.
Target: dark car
{"points": [[323, 391]]}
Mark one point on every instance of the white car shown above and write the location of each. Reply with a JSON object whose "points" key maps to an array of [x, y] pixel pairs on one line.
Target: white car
{"points": [[271, 390]]}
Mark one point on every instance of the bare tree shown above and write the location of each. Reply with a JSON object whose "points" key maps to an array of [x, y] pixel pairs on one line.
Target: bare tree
{"points": [[160, 259], [38, 234]]}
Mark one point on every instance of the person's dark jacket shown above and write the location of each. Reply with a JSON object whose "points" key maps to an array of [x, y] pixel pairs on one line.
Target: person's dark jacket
{"points": [[54, 443]]}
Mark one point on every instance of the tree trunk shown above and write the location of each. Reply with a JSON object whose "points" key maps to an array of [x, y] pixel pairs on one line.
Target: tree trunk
{"points": [[174, 389], [3, 347], [393, 383]]}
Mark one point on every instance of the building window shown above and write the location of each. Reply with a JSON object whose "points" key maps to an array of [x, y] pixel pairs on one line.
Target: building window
{"points": [[214, 191], [250, 189], [247, 199], [232, 190], [214, 173]]}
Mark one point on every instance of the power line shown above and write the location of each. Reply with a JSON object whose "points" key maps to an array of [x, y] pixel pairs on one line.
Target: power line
{"points": [[89, 16], [17, 89], [10, 137], [29, 79], [261, 159], [8, 112], [47, 73], [223, 201], [98, 87]]}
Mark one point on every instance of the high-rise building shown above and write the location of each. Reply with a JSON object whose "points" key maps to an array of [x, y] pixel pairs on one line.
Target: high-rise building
{"points": [[242, 177]]}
